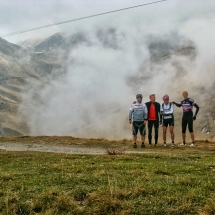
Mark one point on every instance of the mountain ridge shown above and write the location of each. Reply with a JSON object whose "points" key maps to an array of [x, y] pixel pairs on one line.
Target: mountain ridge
{"points": [[21, 69]]}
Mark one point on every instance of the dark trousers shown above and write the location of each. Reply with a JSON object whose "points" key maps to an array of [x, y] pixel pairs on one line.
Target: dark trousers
{"points": [[152, 123], [187, 120]]}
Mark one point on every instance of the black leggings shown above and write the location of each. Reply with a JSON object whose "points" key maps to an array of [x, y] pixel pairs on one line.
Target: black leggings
{"points": [[187, 120], [156, 126]]}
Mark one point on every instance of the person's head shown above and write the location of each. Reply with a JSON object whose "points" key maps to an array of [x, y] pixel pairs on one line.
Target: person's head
{"points": [[139, 97], [185, 94], [166, 99], [152, 97]]}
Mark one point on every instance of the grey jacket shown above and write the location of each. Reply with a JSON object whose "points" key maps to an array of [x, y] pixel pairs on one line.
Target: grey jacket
{"points": [[138, 112]]}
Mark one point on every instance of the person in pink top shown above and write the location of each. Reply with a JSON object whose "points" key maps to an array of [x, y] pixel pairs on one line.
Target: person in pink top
{"points": [[167, 109]]}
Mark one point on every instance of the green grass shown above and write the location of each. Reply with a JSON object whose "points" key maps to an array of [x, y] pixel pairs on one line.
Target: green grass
{"points": [[180, 182]]}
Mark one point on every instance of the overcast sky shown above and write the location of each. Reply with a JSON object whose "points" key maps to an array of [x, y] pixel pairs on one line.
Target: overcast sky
{"points": [[24, 14]]}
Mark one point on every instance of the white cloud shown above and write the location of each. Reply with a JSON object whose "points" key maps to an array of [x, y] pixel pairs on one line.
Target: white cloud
{"points": [[101, 81]]}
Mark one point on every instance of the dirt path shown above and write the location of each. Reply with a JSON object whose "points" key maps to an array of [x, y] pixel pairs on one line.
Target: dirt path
{"points": [[71, 149], [71, 145], [61, 144], [51, 148], [66, 149]]}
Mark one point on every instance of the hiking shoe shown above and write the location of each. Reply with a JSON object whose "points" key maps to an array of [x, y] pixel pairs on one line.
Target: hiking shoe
{"points": [[173, 144], [192, 145], [135, 146], [143, 146], [150, 145], [164, 145], [182, 144]]}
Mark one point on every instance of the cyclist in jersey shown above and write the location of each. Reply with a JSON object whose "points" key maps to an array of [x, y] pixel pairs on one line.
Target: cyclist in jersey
{"points": [[153, 118], [137, 117], [188, 117], [167, 110]]}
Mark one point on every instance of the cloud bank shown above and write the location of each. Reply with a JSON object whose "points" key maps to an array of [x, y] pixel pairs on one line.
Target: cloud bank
{"points": [[161, 49]]}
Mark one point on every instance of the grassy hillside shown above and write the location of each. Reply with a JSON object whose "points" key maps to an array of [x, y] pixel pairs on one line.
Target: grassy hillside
{"points": [[176, 181]]}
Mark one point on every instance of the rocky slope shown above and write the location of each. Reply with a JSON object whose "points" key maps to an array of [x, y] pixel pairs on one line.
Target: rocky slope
{"points": [[19, 67]]}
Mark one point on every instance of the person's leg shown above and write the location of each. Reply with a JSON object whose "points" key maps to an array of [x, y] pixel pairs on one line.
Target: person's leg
{"points": [[192, 136], [184, 137], [164, 134], [143, 138], [142, 133], [134, 139], [190, 127], [156, 126], [184, 127], [171, 130], [134, 132], [150, 124]]}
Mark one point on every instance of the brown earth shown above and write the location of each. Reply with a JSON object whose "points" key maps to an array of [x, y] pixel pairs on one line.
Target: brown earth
{"points": [[71, 145]]}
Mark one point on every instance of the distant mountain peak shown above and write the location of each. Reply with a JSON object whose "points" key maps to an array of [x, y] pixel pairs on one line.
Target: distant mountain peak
{"points": [[52, 42], [8, 48]]}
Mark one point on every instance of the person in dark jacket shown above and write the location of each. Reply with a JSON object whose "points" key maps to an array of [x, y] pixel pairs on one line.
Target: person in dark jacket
{"points": [[154, 118]]}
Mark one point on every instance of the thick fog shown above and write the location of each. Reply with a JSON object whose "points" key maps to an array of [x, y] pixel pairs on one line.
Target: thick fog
{"points": [[156, 49]]}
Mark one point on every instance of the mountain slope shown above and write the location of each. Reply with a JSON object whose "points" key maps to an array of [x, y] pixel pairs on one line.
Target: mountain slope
{"points": [[23, 71], [18, 68]]}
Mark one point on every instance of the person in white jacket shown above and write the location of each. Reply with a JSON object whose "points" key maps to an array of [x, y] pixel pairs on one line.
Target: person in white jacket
{"points": [[167, 110], [138, 114]]}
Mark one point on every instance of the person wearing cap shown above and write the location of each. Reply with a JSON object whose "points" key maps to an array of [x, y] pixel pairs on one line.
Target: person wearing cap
{"points": [[187, 105], [167, 110], [138, 117], [154, 117]]}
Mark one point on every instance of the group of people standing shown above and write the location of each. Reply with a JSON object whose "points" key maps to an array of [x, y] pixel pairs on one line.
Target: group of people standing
{"points": [[154, 114]]}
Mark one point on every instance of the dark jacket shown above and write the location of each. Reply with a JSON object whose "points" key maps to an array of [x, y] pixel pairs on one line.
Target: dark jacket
{"points": [[157, 108]]}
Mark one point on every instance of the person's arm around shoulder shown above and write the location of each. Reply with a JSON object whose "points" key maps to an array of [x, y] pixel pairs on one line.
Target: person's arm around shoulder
{"points": [[145, 114], [161, 108], [148, 104], [159, 112], [147, 107], [131, 110], [172, 108], [177, 104]]}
